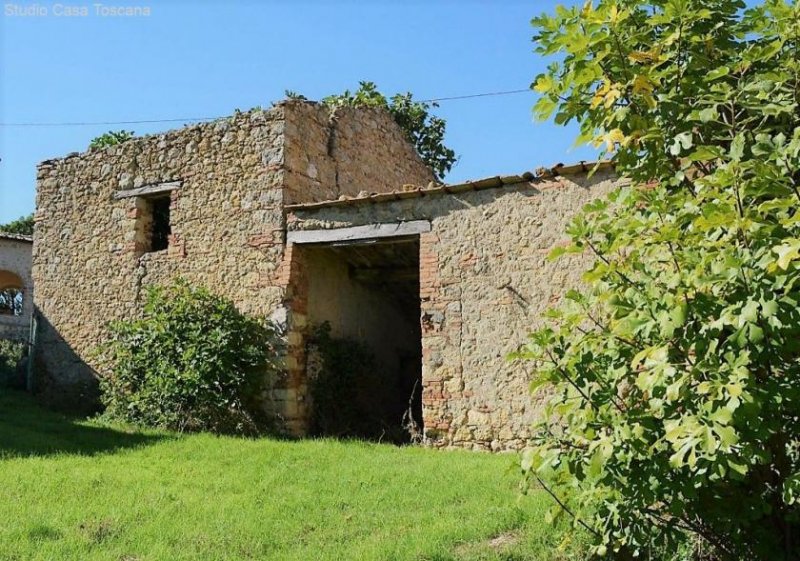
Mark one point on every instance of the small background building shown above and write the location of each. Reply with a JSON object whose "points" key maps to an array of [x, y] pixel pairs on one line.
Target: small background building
{"points": [[16, 286], [301, 216]]}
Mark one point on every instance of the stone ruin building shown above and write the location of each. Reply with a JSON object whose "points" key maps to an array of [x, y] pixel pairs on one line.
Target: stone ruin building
{"points": [[304, 217]]}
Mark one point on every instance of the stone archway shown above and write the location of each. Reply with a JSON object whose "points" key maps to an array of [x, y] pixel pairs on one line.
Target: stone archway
{"points": [[12, 293], [9, 279]]}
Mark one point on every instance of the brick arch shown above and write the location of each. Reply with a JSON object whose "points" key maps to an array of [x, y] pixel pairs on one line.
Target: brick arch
{"points": [[9, 279]]}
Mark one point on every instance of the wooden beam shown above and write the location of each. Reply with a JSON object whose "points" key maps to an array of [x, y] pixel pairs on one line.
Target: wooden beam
{"points": [[148, 190], [368, 232], [373, 242]]}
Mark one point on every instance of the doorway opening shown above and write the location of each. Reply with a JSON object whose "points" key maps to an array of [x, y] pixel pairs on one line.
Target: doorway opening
{"points": [[367, 381]]}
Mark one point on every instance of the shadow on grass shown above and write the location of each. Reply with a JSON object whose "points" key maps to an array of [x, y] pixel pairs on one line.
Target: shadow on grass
{"points": [[27, 429]]}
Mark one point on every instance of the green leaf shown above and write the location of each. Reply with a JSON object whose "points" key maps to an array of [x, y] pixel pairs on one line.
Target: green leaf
{"points": [[544, 108], [717, 73], [737, 148], [705, 153], [749, 312], [791, 490], [556, 252], [721, 416], [681, 142], [788, 253], [756, 334], [734, 389], [727, 435], [708, 114], [544, 84], [741, 469], [770, 308]]}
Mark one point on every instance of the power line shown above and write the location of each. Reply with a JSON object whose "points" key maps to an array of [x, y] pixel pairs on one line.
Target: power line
{"points": [[509, 92], [97, 123], [200, 119]]}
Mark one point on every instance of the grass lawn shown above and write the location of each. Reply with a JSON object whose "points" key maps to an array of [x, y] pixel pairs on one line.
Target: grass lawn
{"points": [[81, 490]]}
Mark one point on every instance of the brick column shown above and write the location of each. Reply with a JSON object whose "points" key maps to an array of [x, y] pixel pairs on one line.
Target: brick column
{"points": [[290, 392], [434, 415]]}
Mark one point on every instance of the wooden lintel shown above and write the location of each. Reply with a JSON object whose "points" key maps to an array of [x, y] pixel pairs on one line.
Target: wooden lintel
{"points": [[375, 241], [368, 232], [148, 190]]}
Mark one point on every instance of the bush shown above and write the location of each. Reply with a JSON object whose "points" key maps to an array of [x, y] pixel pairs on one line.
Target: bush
{"points": [[675, 370], [192, 362], [348, 393], [111, 138], [11, 356]]}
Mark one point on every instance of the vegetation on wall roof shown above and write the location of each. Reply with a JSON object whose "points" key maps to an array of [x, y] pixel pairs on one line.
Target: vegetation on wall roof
{"points": [[111, 138], [423, 130], [22, 226]]}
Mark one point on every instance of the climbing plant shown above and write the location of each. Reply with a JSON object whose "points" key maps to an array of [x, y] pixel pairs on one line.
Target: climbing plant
{"points": [[674, 371]]}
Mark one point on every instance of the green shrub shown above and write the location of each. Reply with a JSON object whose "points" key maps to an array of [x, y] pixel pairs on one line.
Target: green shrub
{"points": [[675, 370], [193, 361], [22, 225], [111, 138], [11, 354], [347, 390]]}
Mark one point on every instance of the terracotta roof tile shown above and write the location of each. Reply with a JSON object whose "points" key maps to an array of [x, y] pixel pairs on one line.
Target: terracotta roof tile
{"points": [[541, 174], [16, 237]]}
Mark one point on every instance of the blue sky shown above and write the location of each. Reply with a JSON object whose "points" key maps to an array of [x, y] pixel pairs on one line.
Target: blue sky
{"points": [[207, 58]]}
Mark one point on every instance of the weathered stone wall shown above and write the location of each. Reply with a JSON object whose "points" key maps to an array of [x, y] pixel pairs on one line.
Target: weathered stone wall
{"points": [[346, 152], [485, 282], [15, 272], [484, 279], [229, 180], [89, 261]]}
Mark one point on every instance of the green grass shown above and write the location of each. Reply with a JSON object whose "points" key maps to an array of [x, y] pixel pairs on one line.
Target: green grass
{"points": [[82, 490]]}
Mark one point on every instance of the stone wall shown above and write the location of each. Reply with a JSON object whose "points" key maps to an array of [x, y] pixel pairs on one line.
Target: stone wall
{"points": [[227, 182], [485, 282], [15, 272], [345, 153]]}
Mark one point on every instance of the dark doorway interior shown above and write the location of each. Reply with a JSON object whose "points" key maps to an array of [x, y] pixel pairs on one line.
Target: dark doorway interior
{"points": [[368, 292]]}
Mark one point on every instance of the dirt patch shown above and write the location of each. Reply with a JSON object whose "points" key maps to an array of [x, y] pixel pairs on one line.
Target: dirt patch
{"points": [[499, 543], [503, 540]]}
